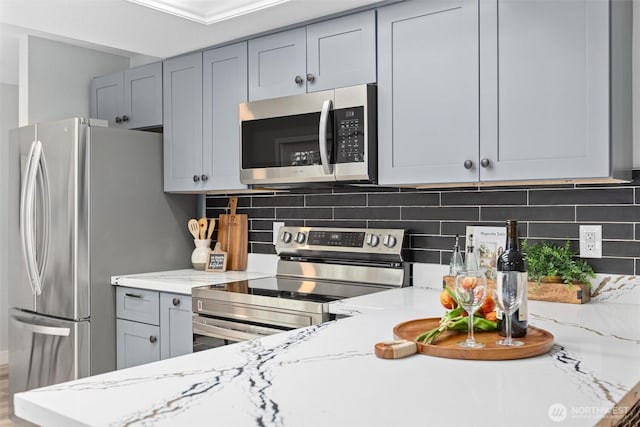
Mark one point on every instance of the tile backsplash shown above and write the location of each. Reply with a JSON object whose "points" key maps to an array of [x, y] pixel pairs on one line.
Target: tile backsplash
{"points": [[432, 217]]}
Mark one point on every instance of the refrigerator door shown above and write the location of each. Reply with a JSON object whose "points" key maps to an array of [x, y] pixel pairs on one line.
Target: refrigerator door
{"points": [[54, 219], [45, 351]]}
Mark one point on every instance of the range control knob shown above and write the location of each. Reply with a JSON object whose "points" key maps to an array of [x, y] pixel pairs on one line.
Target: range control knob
{"points": [[389, 241], [286, 237], [300, 237], [372, 240]]}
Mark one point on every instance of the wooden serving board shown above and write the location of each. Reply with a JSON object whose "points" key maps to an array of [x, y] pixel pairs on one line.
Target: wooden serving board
{"points": [[233, 236], [537, 342]]}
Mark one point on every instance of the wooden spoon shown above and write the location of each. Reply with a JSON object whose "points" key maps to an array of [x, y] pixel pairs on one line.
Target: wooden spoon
{"points": [[212, 225], [202, 223], [194, 228]]}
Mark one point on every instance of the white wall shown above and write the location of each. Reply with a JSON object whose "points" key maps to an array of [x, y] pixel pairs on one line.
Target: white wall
{"points": [[54, 78], [8, 120]]}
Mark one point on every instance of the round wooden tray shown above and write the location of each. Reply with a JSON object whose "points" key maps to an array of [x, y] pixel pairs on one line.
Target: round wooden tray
{"points": [[538, 341]]}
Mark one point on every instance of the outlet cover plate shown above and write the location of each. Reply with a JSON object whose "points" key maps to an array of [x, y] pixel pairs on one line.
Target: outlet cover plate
{"points": [[591, 241]]}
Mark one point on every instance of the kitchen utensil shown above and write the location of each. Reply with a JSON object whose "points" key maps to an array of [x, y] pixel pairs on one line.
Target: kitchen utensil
{"points": [[202, 224], [538, 341], [194, 228], [233, 235], [212, 225]]}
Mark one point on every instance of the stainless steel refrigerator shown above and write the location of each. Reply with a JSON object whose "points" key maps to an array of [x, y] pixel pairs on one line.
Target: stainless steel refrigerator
{"points": [[86, 203]]}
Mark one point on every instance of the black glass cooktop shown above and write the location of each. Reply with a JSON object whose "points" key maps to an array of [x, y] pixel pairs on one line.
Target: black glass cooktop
{"points": [[295, 289]]}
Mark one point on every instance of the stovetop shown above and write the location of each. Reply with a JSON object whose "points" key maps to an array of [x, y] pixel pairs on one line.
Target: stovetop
{"points": [[288, 288]]}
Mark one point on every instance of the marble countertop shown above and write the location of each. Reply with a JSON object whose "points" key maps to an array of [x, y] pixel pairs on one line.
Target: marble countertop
{"points": [[328, 375], [182, 281]]}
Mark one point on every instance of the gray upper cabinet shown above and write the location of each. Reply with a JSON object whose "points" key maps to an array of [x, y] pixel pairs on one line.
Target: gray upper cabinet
{"points": [[183, 123], [277, 65], [334, 53], [131, 99], [427, 91], [225, 86], [545, 89], [526, 96], [176, 338]]}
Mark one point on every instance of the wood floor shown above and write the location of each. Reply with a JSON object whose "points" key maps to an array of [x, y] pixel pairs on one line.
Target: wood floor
{"points": [[4, 398]]}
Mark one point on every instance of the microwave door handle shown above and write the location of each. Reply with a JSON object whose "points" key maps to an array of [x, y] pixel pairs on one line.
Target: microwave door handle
{"points": [[327, 167]]}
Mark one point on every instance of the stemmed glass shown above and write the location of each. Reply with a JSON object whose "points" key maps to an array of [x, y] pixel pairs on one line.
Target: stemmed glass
{"points": [[508, 295], [471, 290]]}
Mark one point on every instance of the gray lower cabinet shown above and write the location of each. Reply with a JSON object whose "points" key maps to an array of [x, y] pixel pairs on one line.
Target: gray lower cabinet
{"points": [[224, 87], [176, 336], [151, 326], [501, 91], [130, 99], [334, 53], [183, 123]]}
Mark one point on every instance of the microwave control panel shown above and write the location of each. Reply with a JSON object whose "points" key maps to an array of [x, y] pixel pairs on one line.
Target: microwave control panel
{"points": [[349, 124]]}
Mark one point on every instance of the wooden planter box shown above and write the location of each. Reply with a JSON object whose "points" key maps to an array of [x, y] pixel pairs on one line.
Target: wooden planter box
{"points": [[578, 293]]}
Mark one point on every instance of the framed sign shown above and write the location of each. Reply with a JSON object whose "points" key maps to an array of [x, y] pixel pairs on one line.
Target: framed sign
{"points": [[489, 244], [217, 260]]}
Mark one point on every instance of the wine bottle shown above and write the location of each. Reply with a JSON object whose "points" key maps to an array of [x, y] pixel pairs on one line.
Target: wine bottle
{"points": [[456, 264], [511, 259]]}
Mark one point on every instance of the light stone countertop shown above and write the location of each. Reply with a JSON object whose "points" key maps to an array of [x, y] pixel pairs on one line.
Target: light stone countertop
{"points": [[328, 375]]}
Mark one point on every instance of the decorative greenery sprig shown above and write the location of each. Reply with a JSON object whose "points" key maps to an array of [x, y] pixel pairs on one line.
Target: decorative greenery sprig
{"points": [[547, 259]]}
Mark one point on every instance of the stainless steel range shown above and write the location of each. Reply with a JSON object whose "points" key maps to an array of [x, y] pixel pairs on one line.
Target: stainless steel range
{"points": [[316, 266]]}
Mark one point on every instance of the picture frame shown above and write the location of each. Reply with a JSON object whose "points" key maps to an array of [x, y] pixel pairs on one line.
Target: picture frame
{"points": [[489, 244], [217, 260]]}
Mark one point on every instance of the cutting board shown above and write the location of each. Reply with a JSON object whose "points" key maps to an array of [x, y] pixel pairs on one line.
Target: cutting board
{"points": [[233, 236]]}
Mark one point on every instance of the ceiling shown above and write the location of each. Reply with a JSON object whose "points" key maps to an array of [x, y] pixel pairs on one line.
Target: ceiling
{"points": [[129, 28]]}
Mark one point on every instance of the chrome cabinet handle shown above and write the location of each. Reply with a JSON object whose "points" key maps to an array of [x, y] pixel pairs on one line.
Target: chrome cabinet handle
{"points": [[118, 119], [299, 80], [468, 164], [176, 302], [310, 77], [196, 178], [485, 163], [204, 178], [125, 118], [153, 339], [133, 295]]}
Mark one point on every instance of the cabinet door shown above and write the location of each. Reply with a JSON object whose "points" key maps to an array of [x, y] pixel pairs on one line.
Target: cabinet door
{"points": [[176, 337], [278, 65], [182, 88], [225, 86], [341, 52], [544, 89], [143, 96], [137, 343], [106, 98], [428, 92]]}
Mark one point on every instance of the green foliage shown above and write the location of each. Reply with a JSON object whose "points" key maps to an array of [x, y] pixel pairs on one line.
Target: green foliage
{"points": [[548, 259]]}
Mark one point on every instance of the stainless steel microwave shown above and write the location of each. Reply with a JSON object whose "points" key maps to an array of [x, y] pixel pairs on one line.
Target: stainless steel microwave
{"points": [[320, 137]]}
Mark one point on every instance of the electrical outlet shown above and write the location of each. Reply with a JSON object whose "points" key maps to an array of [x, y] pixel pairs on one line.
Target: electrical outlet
{"points": [[590, 241], [276, 227]]}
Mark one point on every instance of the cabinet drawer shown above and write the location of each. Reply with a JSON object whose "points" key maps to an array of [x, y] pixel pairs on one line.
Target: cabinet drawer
{"points": [[138, 305], [136, 343]]}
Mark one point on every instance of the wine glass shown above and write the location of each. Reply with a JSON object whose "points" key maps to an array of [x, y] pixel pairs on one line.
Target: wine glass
{"points": [[508, 295], [471, 290]]}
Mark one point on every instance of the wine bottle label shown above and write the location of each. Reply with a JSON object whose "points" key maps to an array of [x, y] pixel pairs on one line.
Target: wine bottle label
{"points": [[524, 306]]}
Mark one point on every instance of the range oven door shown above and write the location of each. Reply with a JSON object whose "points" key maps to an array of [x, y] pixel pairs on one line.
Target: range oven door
{"points": [[210, 332], [317, 137]]}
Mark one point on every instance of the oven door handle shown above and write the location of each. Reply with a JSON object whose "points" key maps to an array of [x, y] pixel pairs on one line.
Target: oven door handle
{"points": [[327, 167], [200, 327]]}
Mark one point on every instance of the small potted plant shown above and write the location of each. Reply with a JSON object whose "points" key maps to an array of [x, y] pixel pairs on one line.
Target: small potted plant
{"points": [[550, 266]]}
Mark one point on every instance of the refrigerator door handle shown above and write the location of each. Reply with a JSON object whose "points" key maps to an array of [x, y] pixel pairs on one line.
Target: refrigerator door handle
{"points": [[40, 329], [43, 182], [27, 199]]}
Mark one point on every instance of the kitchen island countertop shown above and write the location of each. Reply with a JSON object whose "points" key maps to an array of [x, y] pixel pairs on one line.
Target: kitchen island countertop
{"points": [[328, 375]]}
